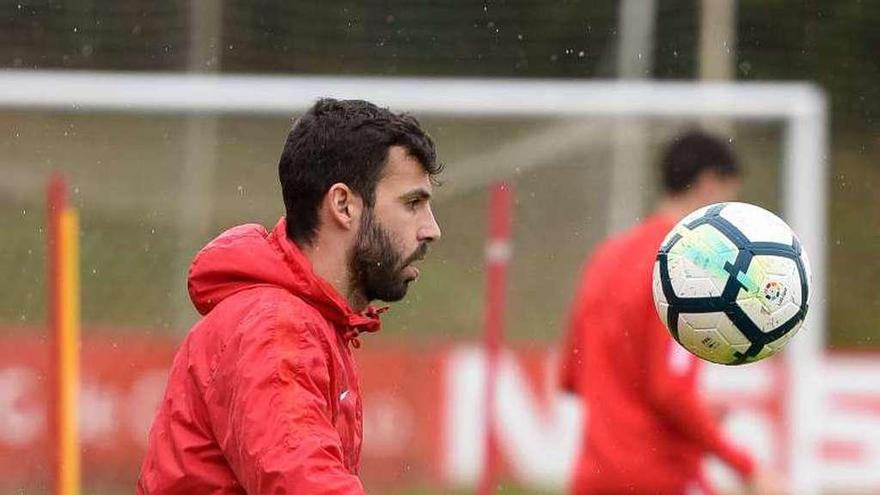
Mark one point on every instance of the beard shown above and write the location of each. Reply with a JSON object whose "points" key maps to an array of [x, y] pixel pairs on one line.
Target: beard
{"points": [[377, 266]]}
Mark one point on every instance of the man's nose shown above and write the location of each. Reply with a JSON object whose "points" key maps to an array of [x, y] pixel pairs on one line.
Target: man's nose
{"points": [[431, 230]]}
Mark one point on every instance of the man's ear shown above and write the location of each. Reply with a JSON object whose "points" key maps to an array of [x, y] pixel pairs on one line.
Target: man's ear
{"points": [[344, 206]]}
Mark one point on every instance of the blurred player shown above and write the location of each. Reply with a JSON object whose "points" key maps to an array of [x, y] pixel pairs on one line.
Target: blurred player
{"points": [[647, 426], [263, 395]]}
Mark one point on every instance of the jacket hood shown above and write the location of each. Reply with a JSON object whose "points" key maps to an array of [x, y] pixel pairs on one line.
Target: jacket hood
{"points": [[249, 256]]}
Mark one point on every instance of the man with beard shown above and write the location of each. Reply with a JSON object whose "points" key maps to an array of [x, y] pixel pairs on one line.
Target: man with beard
{"points": [[263, 396]]}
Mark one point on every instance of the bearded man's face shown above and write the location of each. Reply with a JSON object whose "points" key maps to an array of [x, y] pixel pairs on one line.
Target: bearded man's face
{"points": [[380, 268]]}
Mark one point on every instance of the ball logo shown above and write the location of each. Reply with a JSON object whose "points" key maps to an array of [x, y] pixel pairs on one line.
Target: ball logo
{"points": [[709, 342], [774, 293]]}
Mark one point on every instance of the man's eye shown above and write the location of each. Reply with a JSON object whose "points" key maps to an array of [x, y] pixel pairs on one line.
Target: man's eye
{"points": [[413, 203]]}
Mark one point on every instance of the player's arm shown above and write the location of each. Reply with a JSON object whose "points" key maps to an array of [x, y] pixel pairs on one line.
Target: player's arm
{"points": [[673, 392], [272, 416], [572, 351], [571, 356]]}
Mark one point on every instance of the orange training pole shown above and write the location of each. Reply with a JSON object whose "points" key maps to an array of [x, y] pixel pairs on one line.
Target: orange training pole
{"points": [[64, 317]]}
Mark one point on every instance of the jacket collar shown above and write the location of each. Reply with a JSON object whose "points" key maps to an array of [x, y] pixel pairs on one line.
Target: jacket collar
{"points": [[248, 256], [320, 293]]}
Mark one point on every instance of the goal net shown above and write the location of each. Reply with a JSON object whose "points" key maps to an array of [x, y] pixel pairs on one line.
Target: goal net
{"points": [[160, 163]]}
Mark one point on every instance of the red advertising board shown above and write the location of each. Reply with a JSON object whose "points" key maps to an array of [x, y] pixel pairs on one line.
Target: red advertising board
{"points": [[423, 418]]}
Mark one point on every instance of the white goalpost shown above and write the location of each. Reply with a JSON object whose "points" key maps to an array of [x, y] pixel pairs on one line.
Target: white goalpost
{"points": [[799, 107]]}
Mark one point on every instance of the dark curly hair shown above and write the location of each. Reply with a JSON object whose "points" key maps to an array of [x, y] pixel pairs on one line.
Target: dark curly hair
{"points": [[691, 153], [343, 141]]}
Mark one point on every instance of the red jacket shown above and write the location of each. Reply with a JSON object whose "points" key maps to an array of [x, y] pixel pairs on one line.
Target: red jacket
{"points": [[263, 395], [647, 426]]}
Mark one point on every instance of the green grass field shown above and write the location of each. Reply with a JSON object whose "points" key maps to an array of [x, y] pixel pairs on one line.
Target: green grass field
{"points": [[125, 173]]}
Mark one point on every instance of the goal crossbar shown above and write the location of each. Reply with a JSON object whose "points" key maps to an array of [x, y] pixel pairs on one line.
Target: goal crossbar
{"points": [[266, 94]]}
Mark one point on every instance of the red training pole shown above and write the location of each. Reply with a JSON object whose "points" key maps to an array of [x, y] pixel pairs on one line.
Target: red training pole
{"points": [[498, 252]]}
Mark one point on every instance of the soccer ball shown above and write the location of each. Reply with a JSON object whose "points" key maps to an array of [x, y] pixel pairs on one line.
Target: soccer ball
{"points": [[732, 283]]}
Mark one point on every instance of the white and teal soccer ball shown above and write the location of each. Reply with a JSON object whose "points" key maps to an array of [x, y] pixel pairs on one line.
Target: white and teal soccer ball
{"points": [[732, 283]]}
